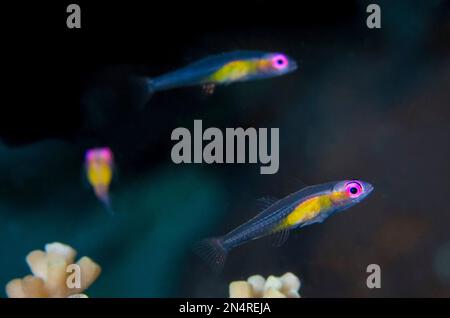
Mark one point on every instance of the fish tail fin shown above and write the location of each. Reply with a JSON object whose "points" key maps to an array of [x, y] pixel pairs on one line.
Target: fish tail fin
{"points": [[143, 88], [109, 208], [106, 201], [150, 86], [213, 251]]}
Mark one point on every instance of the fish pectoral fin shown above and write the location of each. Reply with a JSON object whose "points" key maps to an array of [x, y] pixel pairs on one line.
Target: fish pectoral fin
{"points": [[280, 237], [208, 88], [84, 179], [116, 175], [317, 219]]}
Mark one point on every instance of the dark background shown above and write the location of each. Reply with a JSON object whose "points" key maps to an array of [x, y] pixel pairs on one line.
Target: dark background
{"points": [[368, 104]]}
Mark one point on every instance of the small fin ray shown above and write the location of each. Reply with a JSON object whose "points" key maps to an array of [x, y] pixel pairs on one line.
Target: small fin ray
{"points": [[280, 237], [265, 202], [213, 252], [208, 89]]}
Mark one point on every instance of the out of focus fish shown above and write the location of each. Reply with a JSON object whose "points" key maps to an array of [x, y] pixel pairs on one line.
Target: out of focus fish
{"points": [[225, 68], [99, 172], [310, 205]]}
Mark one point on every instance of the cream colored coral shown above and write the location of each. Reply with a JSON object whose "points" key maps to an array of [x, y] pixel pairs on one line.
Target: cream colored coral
{"points": [[51, 274], [256, 286]]}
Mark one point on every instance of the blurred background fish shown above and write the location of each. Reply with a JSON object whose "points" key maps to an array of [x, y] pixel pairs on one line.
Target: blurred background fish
{"points": [[99, 172], [225, 68]]}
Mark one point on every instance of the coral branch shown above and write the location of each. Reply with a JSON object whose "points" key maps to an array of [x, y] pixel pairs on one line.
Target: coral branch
{"points": [[256, 286], [51, 274]]}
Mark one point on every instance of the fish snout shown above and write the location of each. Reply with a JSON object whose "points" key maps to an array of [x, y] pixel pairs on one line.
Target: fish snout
{"points": [[368, 188], [293, 65]]}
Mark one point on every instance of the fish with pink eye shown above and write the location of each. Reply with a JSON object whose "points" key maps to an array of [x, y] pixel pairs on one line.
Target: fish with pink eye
{"points": [[310, 205], [99, 171], [223, 69]]}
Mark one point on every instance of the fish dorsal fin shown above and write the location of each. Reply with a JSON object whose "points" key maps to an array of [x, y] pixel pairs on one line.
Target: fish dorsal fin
{"points": [[226, 57], [295, 182], [265, 202]]}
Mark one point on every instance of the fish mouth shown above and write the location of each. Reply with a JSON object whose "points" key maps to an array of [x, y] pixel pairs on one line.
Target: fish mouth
{"points": [[368, 188], [293, 66]]}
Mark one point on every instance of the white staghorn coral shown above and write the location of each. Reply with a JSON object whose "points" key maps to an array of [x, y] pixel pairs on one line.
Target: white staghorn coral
{"points": [[256, 286], [53, 274]]}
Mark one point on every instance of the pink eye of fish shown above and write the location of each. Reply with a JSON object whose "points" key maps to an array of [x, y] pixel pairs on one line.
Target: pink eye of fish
{"points": [[99, 154], [353, 189], [279, 62], [90, 154], [106, 154]]}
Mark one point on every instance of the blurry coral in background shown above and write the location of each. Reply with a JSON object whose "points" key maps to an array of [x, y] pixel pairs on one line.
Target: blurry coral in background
{"points": [[256, 286], [51, 274]]}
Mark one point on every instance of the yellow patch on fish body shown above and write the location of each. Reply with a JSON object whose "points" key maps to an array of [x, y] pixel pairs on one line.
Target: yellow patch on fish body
{"points": [[233, 71], [263, 65], [309, 209], [99, 174]]}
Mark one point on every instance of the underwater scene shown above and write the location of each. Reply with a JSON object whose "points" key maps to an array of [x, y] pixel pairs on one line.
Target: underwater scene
{"points": [[253, 150]]}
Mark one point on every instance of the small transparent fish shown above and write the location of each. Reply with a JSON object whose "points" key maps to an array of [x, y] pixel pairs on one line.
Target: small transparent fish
{"points": [[310, 205], [99, 172], [224, 69]]}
